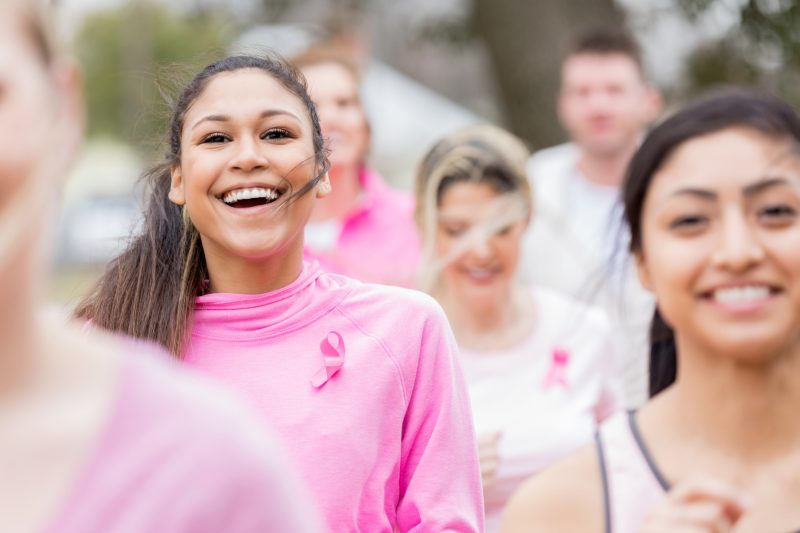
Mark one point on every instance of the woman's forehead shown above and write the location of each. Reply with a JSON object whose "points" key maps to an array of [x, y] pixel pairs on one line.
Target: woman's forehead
{"points": [[246, 90], [731, 159]]}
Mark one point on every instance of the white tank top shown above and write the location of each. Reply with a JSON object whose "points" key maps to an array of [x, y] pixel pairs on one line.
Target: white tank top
{"points": [[632, 484]]}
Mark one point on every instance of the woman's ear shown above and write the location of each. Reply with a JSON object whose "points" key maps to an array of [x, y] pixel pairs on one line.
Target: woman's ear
{"points": [[324, 186], [176, 193]]}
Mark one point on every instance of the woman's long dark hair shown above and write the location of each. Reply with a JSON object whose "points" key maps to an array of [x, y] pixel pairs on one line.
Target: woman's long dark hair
{"points": [[148, 291], [720, 110]]}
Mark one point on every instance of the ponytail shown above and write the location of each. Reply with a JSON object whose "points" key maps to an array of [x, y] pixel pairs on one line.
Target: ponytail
{"points": [[663, 355], [148, 291]]}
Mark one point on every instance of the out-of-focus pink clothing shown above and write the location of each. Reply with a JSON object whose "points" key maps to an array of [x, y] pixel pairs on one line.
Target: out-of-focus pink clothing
{"points": [[178, 454], [632, 483], [361, 382], [378, 241]]}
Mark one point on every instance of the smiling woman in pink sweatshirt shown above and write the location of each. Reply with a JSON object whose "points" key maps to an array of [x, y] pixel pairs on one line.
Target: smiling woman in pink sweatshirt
{"points": [[360, 380]]}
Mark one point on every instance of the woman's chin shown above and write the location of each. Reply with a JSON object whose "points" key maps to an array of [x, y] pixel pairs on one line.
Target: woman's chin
{"points": [[492, 288], [255, 248]]}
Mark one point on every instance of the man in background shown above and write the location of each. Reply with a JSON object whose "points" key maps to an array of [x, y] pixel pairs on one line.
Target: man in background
{"points": [[577, 243]]}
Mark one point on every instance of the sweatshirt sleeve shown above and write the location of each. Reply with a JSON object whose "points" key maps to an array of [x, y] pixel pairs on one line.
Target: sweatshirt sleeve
{"points": [[440, 487]]}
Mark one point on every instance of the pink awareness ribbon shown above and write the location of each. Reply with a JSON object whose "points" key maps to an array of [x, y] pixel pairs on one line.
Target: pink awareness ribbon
{"points": [[332, 347], [557, 375]]}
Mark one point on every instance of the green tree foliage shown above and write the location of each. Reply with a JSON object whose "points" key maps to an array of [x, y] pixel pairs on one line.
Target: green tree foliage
{"points": [[135, 56], [525, 42], [762, 50]]}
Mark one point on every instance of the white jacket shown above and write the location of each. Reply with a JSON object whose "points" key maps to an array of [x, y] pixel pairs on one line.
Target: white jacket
{"points": [[559, 252]]}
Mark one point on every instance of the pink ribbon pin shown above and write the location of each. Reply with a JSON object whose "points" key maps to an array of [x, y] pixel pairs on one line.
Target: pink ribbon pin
{"points": [[332, 347], [557, 375]]}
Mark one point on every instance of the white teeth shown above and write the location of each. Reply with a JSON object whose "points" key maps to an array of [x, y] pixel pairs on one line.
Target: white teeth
{"points": [[248, 194], [476, 273], [741, 294]]}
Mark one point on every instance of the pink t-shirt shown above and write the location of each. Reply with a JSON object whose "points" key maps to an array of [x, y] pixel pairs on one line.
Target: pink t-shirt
{"points": [[378, 242], [178, 454], [361, 381]]}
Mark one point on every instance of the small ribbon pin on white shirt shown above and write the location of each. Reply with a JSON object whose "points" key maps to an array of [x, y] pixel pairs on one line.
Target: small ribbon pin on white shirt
{"points": [[557, 375]]}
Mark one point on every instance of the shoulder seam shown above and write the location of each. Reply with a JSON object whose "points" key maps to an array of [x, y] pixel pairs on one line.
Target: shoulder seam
{"points": [[385, 348]]}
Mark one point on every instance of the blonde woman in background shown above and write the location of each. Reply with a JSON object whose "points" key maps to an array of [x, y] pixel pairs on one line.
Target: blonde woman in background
{"points": [[539, 366], [97, 434]]}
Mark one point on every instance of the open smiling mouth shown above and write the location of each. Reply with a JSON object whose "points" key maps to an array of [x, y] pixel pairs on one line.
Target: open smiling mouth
{"points": [[251, 197]]}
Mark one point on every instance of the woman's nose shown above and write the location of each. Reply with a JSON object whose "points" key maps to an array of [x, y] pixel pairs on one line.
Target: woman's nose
{"points": [[249, 156], [738, 247]]}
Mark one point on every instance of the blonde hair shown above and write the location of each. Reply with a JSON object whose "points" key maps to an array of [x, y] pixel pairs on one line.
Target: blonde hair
{"points": [[477, 154], [322, 53]]}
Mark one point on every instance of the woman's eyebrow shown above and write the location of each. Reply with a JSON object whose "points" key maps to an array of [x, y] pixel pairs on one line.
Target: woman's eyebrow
{"points": [[212, 118], [748, 190], [704, 194], [766, 183]]}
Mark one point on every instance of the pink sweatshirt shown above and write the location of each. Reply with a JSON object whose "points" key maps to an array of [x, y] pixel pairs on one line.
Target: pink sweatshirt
{"points": [[377, 242], [177, 454], [361, 382]]}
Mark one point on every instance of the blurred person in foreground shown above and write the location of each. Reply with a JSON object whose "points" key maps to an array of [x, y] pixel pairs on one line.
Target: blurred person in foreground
{"points": [[712, 197], [605, 103], [97, 434], [363, 228], [539, 366]]}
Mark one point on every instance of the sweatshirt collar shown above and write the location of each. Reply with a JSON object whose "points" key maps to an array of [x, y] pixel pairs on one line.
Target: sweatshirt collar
{"points": [[254, 316]]}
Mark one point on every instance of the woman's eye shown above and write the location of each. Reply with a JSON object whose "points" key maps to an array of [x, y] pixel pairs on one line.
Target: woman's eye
{"points": [[276, 133], [777, 213], [505, 230], [688, 222], [454, 232], [215, 138]]}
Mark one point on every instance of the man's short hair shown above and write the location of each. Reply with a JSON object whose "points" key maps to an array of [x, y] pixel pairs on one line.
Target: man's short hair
{"points": [[607, 41]]}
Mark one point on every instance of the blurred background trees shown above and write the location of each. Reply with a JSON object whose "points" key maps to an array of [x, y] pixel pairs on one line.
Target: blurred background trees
{"points": [[133, 55], [498, 58], [761, 49], [495, 60]]}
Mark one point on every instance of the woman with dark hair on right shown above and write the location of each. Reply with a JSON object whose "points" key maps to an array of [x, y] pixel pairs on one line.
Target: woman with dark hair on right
{"points": [[712, 198]]}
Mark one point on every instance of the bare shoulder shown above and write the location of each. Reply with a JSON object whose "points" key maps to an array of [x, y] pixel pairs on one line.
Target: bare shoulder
{"points": [[565, 498]]}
